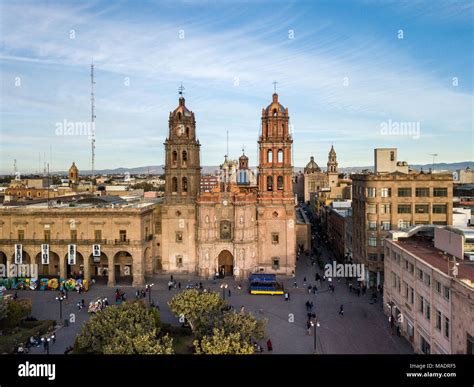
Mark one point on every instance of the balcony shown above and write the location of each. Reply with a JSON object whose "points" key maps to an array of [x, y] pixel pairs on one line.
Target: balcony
{"points": [[122, 242], [54, 241]]}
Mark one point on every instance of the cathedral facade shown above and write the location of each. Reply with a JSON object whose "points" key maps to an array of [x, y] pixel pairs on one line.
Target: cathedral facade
{"points": [[244, 225]]}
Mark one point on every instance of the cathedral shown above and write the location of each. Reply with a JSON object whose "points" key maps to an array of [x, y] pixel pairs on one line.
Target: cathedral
{"points": [[244, 225]]}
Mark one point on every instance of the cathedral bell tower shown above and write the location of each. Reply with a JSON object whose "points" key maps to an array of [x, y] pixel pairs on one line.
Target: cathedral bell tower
{"points": [[332, 171], [182, 162], [275, 146], [182, 182], [276, 202]]}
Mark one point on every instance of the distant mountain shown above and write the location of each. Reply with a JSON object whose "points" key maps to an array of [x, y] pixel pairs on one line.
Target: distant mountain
{"points": [[159, 169]]}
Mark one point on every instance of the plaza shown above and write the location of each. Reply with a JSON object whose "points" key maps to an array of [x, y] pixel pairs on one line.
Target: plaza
{"points": [[364, 329]]}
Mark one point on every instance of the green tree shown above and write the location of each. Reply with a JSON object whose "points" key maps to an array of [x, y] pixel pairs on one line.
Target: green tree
{"points": [[129, 328], [194, 305], [220, 343], [16, 310]]}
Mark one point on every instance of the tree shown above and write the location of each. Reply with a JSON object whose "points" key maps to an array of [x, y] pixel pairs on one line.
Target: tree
{"points": [[193, 305], [221, 343], [244, 323], [129, 328]]}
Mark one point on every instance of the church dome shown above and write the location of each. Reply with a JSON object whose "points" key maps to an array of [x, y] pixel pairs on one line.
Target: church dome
{"points": [[275, 106], [182, 109], [312, 167]]}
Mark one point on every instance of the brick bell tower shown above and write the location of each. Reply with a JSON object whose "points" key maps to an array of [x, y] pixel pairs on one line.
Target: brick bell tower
{"points": [[182, 182], [276, 201]]}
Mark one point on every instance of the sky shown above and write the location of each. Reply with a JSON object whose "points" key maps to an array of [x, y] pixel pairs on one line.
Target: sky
{"points": [[353, 74]]}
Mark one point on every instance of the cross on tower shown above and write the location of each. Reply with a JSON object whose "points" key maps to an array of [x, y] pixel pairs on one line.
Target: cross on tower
{"points": [[275, 86], [181, 90]]}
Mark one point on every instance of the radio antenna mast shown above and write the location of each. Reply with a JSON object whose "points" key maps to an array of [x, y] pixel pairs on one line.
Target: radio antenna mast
{"points": [[92, 121]]}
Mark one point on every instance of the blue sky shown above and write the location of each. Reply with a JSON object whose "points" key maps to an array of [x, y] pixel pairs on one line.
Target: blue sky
{"points": [[341, 69]]}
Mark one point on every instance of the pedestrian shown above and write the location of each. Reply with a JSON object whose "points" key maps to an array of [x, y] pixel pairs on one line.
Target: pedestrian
{"points": [[269, 345], [83, 303], [341, 310], [170, 284], [315, 289], [295, 284], [286, 296], [179, 285], [308, 327], [137, 294], [304, 281], [242, 309], [309, 289], [350, 287], [333, 288], [229, 293], [311, 305], [15, 296], [398, 330], [171, 277]]}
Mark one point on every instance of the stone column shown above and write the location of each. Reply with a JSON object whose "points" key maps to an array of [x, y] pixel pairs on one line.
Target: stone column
{"points": [[138, 266], [111, 279], [62, 264], [87, 269]]}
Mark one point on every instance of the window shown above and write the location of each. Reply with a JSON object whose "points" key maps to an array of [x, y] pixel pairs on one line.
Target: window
{"points": [[185, 184], [371, 208], [123, 235], [446, 327], [440, 192], [280, 156], [21, 235], [404, 208], [385, 209], [410, 267], [280, 182], [179, 236], [427, 279], [385, 226], [275, 238], [422, 192], [422, 208], [47, 235], [392, 156], [404, 192], [174, 157], [270, 156], [421, 306], [419, 274], [269, 183], [372, 226], [179, 261], [73, 235], [372, 241], [98, 235], [187, 131], [371, 192], [438, 320], [446, 292], [275, 263], [428, 310], [439, 208], [424, 346], [174, 184], [185, 157], [386, 192], [438, 287], [405, 288], [403, 224], [372, 257], [412, 296]]}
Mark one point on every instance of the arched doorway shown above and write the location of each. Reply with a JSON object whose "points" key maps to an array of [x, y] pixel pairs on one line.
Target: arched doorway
{"points": [[76, 270], [3, 258], [123, 267], [99, 267], [52, 269], [225, 263]]}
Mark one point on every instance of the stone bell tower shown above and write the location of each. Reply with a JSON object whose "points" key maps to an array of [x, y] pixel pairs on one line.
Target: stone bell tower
{"points": [[182, 176], [276, 201]]}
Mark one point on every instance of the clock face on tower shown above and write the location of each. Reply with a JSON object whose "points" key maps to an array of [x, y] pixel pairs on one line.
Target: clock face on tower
{"points": [[180, 130]]}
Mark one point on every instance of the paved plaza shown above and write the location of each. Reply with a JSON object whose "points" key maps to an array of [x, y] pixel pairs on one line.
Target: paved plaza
{"points": [[363, 329]]}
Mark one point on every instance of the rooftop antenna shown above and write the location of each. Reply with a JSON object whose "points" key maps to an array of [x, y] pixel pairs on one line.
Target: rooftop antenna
{"points": [[432, 165], [92, 121]]}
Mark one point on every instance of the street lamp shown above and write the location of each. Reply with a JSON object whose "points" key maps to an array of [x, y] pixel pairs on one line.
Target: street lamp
{"points": [[60, 299], [315, 324], [148, 288], [224, 286]]}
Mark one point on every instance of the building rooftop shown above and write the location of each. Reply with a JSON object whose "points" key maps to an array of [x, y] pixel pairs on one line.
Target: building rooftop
{"points": [[423, 248]]}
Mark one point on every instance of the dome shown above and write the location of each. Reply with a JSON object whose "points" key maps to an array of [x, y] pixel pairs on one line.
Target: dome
{"points": [[275, 105], [312, 167], [182, 109]]}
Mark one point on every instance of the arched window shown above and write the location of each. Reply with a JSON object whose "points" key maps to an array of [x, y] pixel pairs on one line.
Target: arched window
{"points": [[270, 156], [185, 184], [179, 115], [187, 131], [185, 157], [174, 184], [280, 156], [280, 182], [274, 112], [174, 157], [269, 183]]}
